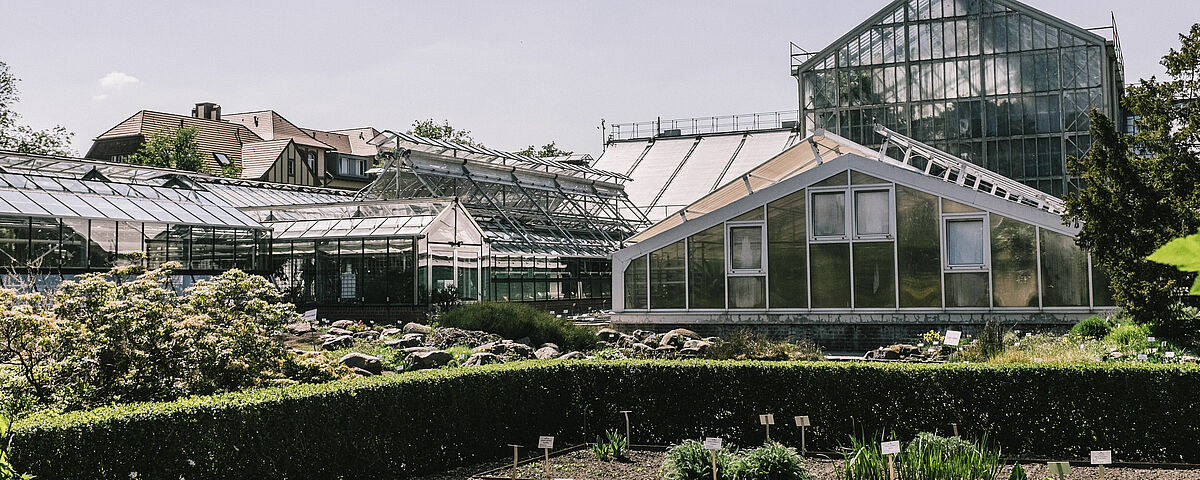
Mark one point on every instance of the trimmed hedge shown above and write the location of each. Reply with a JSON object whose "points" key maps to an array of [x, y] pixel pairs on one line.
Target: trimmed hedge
{"points": [[418, 422]]}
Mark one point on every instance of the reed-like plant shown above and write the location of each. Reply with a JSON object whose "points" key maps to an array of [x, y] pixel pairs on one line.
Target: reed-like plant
{"points": [[927, 457]]}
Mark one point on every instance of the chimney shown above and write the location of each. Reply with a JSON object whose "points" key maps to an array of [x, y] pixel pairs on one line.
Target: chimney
{"points": [[207, 111]]}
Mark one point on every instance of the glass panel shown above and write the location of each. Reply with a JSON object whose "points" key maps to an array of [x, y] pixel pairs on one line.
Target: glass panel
{"points": [[745, 248], [872, 213], [837, 180], [102, 244], [747, 292], [859, 178], [74, 243], [635, 283], [156, 243], [830, 275], [202, 248], [668, 276], [964, 242], [753, 215], [829, 214], [1064, 271], [1014, 263], [786, 252], [129, 240], [1101, 287], [179, 244], [951, 206], [225, 248], [918, 249], [43, 243], [706, 268], [874, 275], [967, 289], [468, 276], [350, 266]]}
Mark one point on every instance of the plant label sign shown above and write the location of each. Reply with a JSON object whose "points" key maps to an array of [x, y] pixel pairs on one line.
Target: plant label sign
{"points": [[310, 316], [1169, 354], [712, 443], [890, 448], [1142, 356], [1101, 457], [546, 442], [802, 421], [1151, 339], [1059, 468], [953, 337], [767, 419]]}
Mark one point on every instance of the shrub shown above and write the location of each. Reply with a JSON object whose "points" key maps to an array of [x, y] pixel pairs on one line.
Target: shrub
{"points": [[611, 446], [1129, 335], [747, 345], [516, 320], [691, 461], [1093, 327], [930, 457], [771, 462]]}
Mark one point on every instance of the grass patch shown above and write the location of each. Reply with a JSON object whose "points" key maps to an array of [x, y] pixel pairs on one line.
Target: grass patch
{"points": [[514, 321]]}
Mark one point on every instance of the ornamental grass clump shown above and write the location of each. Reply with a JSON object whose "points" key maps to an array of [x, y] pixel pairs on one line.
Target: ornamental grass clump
{"points": [[926, 457], [691, 461]]}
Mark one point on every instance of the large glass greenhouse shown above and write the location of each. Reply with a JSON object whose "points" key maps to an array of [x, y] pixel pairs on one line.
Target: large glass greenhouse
{"points": [[831, 232]]}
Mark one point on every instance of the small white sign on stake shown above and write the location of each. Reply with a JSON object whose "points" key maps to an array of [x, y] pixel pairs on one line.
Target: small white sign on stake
{"points": [[767, 419], [310, 316], [1169, 355], [1101, 457], [1142, 356], [802, 421], [890, 448], [546, 442], [953, 337], [1150, 339], [712, 443]]}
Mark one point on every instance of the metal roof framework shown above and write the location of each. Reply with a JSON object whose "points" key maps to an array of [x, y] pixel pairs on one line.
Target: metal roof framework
{"points": [[524, 204]]}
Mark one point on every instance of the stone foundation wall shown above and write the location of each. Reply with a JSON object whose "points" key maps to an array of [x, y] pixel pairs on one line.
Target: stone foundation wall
{"points": [[846, 333]]}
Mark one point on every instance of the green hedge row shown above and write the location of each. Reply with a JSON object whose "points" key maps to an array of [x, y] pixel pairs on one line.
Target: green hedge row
{"points": [[397, 426]]}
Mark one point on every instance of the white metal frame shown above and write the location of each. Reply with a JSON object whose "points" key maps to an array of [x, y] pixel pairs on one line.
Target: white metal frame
{"points": [[983, 217]]}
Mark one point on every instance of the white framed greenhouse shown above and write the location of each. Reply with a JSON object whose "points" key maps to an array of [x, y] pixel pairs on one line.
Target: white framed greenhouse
{"points": [[833, 233]]}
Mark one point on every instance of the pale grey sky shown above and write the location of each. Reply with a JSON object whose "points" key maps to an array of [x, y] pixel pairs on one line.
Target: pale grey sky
{"points": [[513, 72]]}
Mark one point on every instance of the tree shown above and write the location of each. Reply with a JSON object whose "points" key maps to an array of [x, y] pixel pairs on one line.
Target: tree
{"points": [[22, 138], [548, 150], [431, 129], [177, 149], [1143, 189]]}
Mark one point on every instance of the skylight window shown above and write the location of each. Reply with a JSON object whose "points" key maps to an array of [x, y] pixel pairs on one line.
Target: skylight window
{"points": [[222, 159]]}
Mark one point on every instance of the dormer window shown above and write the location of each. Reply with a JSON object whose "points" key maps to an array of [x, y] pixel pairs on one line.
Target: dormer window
{"points": [[222, 159]]}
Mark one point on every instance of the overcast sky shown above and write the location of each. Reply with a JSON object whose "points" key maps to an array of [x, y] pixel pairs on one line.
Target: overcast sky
{"points": [[514, 73]]}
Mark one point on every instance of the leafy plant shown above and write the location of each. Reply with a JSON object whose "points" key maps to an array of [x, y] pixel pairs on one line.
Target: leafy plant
{"points": [[932, 337], [1182, 253], [691, 461], [611, 446], [1018, 473], [771, 462], [746, 345], [515, 320], [863, 459], [930, 457], [1092, 327], [7, 471]]}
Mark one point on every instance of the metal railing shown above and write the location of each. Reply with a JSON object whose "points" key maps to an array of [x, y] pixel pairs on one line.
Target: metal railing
{"points": [[702, 125], [936, 163], [799, 55]]}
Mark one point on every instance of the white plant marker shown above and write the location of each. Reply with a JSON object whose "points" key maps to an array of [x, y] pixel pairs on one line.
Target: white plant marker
{"points": [[953, 337], [1101, 458], [1059, 468], [712, 444], [767, 420], [803, 422], [890, 449], [546, 443]]}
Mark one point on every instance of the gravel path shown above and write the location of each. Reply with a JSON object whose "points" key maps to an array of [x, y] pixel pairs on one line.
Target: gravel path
{"points": [[644, 465]]}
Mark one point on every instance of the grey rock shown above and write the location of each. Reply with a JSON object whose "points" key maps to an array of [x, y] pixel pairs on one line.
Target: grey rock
{"points": [[483, 358], [362, 373], [392, 343], [300, 328], [411, 350], [678, 337], [339, 331], [340, 341], [342, 324], [698, 345], [546, 352], [572, 356], [666, 349], [411, 340], [551, 345], [367, 335], [608, 335], [446, 337], [366, 362], [412, 327], [506, 348], [642, 335], [390, 332], [433, 359]]}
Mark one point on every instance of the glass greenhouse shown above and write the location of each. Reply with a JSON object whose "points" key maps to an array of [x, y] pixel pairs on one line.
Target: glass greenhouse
{"points": [[832, 231]]}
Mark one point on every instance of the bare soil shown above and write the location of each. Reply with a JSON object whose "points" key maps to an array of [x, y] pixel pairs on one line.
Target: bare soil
{"points": [[644, 465]]}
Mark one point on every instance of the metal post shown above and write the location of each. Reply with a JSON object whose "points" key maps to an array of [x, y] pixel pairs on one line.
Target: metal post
{"points": [[627, 437]]}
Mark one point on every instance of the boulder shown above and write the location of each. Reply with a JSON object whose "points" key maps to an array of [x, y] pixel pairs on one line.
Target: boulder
{"points": [[666, 349], [300, 328], [572, 356], [483, 358], [340, 341], [432, 359], [608, 335], [393, 343], [339, 331], [411, 350], [697, 345], [361, 360], [551, 345], [642, 335], [545, 353], [413, 327], [342, 324], [652, 340], [360, 372], [678, 337], [446, 337], [367, 335], [506, 348], [412, 340], [642, 348], [390, 332]]}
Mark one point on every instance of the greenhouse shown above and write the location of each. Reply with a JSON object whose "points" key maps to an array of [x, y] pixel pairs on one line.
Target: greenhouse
{"points": [[832, 232]]}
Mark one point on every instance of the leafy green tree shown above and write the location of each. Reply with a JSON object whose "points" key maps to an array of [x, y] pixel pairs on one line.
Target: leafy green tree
{"points": [[548, 150], [443, 131], [1143, 189], [175, 149], [53, 141]]}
